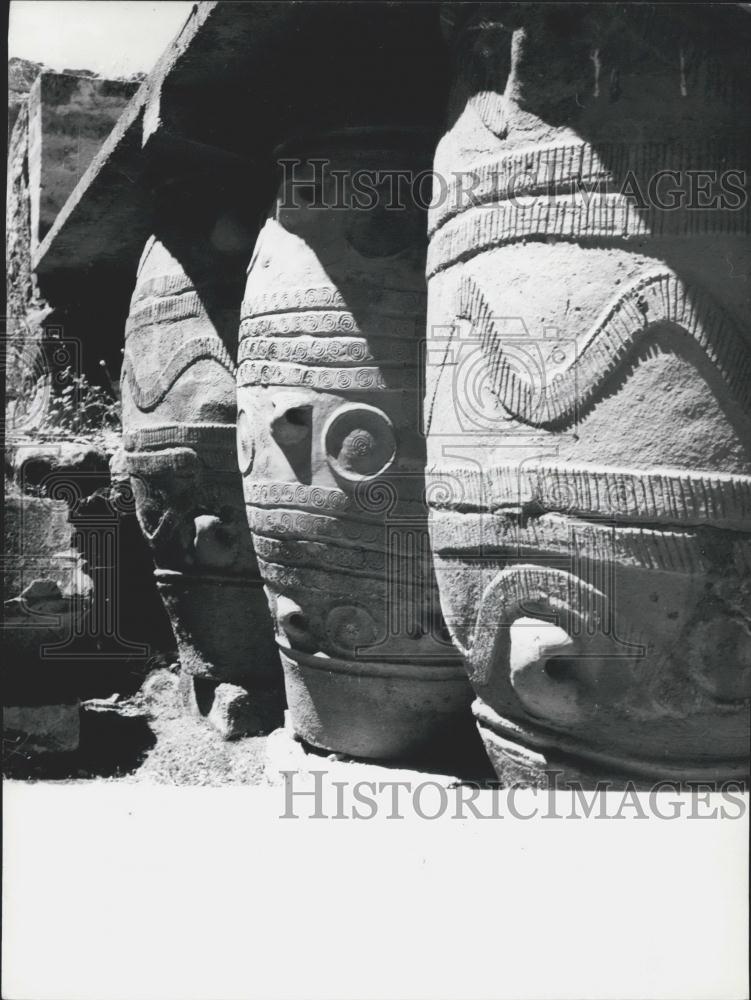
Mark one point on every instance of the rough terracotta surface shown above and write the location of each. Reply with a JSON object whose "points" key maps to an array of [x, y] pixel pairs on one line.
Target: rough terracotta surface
{"points": [[333, 461], [178, 395], [588, 391], [588, 372]]}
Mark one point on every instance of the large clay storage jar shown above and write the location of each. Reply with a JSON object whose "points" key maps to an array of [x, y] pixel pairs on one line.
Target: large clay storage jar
{"points": [[332, 457], [179, 415], [588, 389]]}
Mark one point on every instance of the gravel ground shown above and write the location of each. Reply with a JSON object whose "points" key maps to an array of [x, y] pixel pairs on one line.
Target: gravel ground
{"points": [[187, 752], [146, 738]]}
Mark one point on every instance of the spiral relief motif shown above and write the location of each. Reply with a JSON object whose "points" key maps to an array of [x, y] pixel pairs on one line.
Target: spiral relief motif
{"points": [[330, 373]]}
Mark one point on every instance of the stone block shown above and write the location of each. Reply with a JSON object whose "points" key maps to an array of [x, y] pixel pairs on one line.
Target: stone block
{"points": [[38, 547], [47, 591], [39, 729]]}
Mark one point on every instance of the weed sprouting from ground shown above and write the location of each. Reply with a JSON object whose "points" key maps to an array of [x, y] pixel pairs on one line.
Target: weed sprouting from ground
{"points": [[78, 406]]}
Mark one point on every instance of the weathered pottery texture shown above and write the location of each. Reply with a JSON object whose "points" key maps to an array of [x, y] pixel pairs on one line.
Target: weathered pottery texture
{"points": [[178, 395], [333, 461], [587, 405]]}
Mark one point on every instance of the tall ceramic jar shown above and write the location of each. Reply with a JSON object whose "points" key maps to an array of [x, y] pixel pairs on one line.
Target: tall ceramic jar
{"points": [[588, 392], [178, 395], [331, 453]]}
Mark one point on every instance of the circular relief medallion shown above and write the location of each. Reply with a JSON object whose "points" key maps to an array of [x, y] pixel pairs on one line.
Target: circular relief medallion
{"points": [[359, 442], [349, 627]]}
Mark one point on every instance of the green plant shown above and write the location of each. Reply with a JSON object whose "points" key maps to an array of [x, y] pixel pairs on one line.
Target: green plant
{"points": [[77, 406]]}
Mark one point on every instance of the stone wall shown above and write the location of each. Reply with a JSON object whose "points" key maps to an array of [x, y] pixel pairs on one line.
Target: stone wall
{"points": [[71, 545]]}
